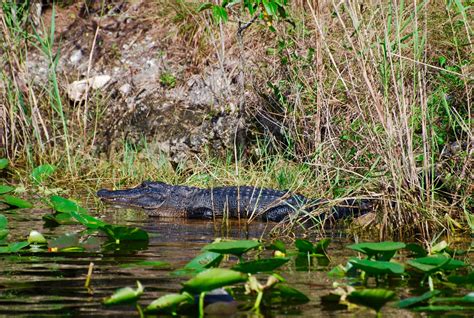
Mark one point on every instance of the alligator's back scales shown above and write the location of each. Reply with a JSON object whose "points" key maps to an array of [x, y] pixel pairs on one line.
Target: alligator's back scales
{"points": [[162, 199]]}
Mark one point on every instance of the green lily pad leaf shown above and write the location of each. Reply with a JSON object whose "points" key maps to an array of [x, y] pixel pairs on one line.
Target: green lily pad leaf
{"points": [[382, 250], [232, 247], [17, 246], [304, 246], [213, 278], [462, 280], [410, 302], [372, 298], [435, 308], [278, 245], [89, 221], [14, 247], [3, 227], [40, 173], [125, 295], [416, 249], [169, 303], [337, 272], [124, 233], [3, 222], [64, 205], [431, 264], [65, 241], [377, 267], [199, 263], [204, 260], [281, 293], [3, 163], [3, 234], [16, 202], [467, 299], [92, 243], [5, 189], [58, 219], [322, 246], [36, 237], [154, 264], [260, 265], [438, 248]]}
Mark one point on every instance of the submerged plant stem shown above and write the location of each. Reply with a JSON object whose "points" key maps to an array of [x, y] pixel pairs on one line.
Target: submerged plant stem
{"points": [[201, 304], [256, 306], [89, 275]]}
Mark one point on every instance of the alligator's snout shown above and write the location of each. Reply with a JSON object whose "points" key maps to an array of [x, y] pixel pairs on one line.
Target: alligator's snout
{"points": [[138, 197], [104, 193]]}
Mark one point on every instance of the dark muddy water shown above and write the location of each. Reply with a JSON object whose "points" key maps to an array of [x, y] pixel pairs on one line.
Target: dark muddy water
{"points": [[52, 284]]}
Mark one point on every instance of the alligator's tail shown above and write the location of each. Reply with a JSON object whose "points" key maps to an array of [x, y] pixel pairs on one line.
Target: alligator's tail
{"points": [[345, 209]]}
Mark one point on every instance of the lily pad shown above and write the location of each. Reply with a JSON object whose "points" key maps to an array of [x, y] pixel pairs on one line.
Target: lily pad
{"points": [[15, 202], [462, 280], [431, 264], [410, 302], [146, 263], [3, 163], [200, 263], [278, 245], [321, 246], [260, 265], [436, 308], [58, 219], [5, 189], [283, 293], [3, 227], [88, 220], [169, 303], [65, 241], [124, 233], [232, 247], [304, 246], [377, 267], [381, 250], [440, 247], [125, 295], [13, 247], [372, 298], [467, 299], [416, 249], [40, 173], [213, 278], [64, 205]]}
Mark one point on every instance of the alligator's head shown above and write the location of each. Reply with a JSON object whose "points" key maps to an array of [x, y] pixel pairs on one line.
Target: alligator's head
{"points": [[148, 195]]}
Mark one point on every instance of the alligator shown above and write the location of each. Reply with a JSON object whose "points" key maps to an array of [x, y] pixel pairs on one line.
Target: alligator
{"points": [[162, 199]]}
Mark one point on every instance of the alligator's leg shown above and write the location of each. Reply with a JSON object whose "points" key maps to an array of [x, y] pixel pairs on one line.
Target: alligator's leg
{"points": [[278, 213], [199, 213], [352, 208]]}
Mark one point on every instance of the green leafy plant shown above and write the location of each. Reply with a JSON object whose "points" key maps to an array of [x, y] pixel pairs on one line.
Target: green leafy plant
{"points": [[40, 173], [168, 80], [372, 298], [3, 163], [232, 247], [15, 202], [170, 303], [381, 251], [125, 295]]}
